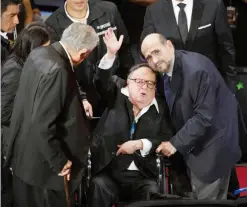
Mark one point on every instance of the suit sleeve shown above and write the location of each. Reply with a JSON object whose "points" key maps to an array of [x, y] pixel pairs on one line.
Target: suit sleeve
{"points": [[203, 93], [107, 84], [148, 26], [48, 105], [125, 56], [226, 50], [10, 83], [165, 133]]}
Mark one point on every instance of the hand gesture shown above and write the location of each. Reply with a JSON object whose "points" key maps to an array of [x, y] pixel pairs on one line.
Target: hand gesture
{"points": [[88, 108], [166, 148], [66, 170], [112, 44], [129, 147]]}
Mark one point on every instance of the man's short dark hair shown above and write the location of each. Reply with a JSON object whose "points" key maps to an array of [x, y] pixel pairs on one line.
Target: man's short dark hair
{"points": [[136, 67], [6, 3]]}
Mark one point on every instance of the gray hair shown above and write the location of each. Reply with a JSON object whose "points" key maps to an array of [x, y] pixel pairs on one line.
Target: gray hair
{"points": [[80, 36]]}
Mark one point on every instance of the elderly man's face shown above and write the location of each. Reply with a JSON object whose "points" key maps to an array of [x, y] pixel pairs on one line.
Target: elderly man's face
{"points": [[158, 55], [141, 86], [9, 18], [77, 5]]}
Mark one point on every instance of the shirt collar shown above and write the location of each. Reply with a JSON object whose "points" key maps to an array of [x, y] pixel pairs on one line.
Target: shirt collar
{"points": [[175, 2], [154, 102], [70, 60], [83, 20], [4, 35]]}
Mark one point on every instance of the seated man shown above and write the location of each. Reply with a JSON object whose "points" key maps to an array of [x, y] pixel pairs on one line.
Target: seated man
{"points": [[132, 126]]}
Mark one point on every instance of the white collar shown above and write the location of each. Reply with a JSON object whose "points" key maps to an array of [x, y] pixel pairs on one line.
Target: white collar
{"points": [[171, 68], [83, 20], [4, 35], [68, 55], [154, 102]]}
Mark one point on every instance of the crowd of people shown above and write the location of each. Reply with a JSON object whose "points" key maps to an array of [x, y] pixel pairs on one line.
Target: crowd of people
{"points": [[78, 82]]}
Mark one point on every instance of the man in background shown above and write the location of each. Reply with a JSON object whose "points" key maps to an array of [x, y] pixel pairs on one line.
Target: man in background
{"points": [[9, 20]]}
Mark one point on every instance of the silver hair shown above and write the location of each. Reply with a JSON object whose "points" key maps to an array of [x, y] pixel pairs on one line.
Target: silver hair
{"points": [[80, 36]]}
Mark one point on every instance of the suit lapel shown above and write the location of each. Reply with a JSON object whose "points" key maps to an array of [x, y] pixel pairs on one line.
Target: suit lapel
{"points": [[197, 12], [176, 81], [129, 108], [167, 21]]}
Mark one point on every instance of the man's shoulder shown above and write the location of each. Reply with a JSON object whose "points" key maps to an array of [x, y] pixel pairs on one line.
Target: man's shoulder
{"points": [[105, 6], [45, 60], [156, 5], [60, 12]]}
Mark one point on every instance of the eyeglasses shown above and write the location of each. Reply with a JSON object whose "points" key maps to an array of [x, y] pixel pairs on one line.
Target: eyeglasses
{"points": [[141, 82]]}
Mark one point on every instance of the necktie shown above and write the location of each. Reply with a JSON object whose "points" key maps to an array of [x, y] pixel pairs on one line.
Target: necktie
{"points": [[168, 91], [132, 130], [182, 22]]}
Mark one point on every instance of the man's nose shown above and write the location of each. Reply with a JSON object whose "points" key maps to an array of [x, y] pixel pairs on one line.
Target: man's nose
{"points": [[16, 20], [155, 59], [144, 85]]}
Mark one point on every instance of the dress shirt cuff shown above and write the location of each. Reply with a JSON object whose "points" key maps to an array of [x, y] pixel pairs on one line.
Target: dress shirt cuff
{"points": [[106, 63], [147, 145], [173, 149]]}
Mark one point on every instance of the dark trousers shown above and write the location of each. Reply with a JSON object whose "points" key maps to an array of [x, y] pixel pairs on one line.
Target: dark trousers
{"points": [[26, 195], [6, 187], [105, 189]]}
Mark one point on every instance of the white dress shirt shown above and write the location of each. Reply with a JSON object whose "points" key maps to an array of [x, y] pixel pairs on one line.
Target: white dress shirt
{"points": [[106, 64], [83, 20], [4, 35], [188, 10]]}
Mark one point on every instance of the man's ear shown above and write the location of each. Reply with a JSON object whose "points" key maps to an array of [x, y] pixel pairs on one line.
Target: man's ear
{"points": [[84, 53], [169, 43]]}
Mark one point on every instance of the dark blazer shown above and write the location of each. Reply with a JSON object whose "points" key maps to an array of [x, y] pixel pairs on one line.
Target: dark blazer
{"points": [[214, 41], [5, 48], [48, 124], [204, 113], [102, 15], [11, 73], [115, 124]]}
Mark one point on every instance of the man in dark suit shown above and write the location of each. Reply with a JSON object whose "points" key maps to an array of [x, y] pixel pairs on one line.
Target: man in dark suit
{"points": [[9, 20], [199, 26], [48, 131], [100, 15], [203, 111], [131, 128]]}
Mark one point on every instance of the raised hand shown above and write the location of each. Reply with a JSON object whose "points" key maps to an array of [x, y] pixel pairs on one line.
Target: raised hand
{"points": [[112, 44]]}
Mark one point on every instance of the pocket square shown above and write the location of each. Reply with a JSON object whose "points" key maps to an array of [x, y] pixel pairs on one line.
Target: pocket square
{"points": [[205, 26]]}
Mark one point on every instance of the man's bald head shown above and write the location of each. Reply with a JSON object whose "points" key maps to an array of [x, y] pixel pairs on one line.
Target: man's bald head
{"points": [[158, 51], [153, 38]]}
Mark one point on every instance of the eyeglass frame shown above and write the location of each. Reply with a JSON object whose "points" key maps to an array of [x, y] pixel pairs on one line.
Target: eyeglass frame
{"points": [[143, 82]]}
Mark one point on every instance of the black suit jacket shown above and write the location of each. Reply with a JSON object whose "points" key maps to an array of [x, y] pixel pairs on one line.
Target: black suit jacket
{"points": [[5, 48], [48, 124], [205, 115], [209, 33], [11, 73], [114, 127]]}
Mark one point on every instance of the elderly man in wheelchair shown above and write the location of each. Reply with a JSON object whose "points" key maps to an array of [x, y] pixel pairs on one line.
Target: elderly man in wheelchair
{"points": [[128, 133]]}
